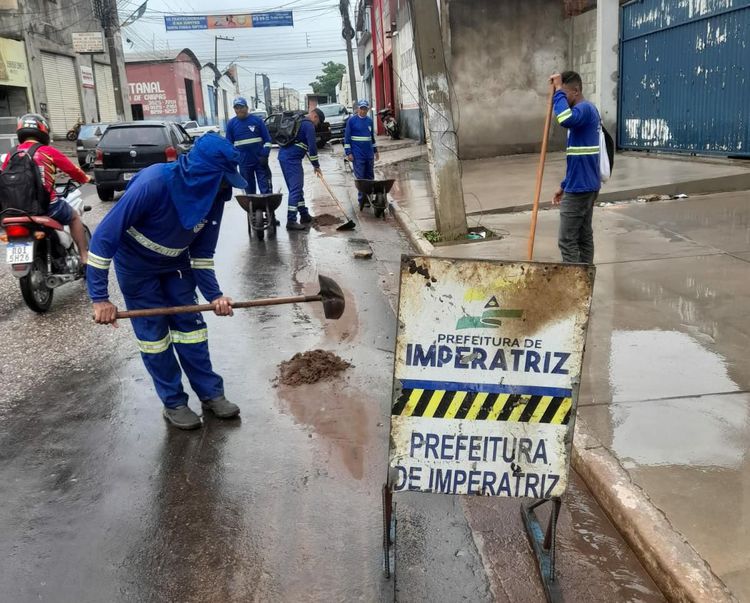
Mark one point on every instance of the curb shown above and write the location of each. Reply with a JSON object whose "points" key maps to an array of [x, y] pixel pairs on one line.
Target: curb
{"points": [[671, 561]]}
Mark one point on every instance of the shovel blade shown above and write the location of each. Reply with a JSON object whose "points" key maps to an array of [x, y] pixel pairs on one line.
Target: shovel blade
{"points": [[332, 298], [350, 225]]}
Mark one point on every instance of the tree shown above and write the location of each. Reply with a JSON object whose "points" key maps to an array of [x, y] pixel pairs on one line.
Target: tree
{"points": [[327, 81]]}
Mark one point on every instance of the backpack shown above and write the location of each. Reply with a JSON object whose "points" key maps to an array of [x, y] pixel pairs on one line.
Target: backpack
{"points": [[288, 128], [21, 188], [606, 153]]}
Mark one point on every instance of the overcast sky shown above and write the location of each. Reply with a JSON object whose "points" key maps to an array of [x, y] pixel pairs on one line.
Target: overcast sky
{"points": [[289, 55]]}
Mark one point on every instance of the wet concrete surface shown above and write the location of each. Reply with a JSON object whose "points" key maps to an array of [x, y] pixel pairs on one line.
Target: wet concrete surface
{"points": [[666, 380], [502, 184], [102, 501]]}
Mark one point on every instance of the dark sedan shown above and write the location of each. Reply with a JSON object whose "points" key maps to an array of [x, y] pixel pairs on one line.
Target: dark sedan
{"points": [[127, 148], [88, 137]]}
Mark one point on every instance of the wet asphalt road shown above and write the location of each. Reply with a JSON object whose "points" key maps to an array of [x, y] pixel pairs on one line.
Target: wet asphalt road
{"points": [[103, 502]]}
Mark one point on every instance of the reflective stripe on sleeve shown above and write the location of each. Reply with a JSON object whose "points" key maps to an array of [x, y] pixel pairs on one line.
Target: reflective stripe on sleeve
{"points": [[301, 145], [347, 146], [240, 143], [313, 157], [267, 145], [202, 263], [182, 337], [154, 347], [99, 262], [583, 150], [564, 115], [153, 246]]}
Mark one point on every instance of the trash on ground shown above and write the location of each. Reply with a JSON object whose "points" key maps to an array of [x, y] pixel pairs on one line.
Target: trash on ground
{"points": [[311, 367]]}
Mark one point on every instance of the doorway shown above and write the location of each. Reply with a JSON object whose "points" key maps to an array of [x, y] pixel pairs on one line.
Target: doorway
{"points": [[190, 96], [137, 112]]}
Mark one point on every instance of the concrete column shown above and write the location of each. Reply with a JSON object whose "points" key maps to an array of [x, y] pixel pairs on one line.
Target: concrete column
{"points": [[442, 139], [607, 61]]}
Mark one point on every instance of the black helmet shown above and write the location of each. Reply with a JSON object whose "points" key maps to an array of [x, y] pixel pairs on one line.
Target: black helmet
{"points": [[32, 125]]}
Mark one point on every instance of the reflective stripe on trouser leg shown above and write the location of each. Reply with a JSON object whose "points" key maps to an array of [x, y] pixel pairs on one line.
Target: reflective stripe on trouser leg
{"points": [[294, 176], [152, 333], [364, 168], [248, 173], [190, 336]]}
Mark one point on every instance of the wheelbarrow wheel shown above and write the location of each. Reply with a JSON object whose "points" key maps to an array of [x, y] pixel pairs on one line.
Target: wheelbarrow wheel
{"points": [[271, 224], [259, 232], [380, 212], [250, 223]]}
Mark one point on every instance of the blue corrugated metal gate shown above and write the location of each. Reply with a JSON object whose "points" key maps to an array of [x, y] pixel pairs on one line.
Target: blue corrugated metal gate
{"points": [[685, 76]]}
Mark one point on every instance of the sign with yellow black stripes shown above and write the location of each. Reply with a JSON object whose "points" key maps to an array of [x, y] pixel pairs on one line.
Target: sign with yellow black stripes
{"points": [[486, 376]]}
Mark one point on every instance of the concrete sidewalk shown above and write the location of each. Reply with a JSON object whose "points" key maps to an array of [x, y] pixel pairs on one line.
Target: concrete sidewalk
{"points": [[666, 381], [506, 184]]}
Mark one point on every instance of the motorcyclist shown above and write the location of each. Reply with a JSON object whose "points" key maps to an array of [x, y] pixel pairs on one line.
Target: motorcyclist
{"points": [[33, 129], [360, 146], [249, 135]]}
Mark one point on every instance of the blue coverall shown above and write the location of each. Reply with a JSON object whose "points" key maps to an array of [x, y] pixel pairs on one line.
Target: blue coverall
{"points": [[290, 158], [158, 262], [251, 138], [359, 140]]}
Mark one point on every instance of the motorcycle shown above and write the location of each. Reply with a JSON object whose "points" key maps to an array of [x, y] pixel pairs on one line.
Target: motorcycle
{"points": [[41, 252], [72, 134], [389, 122]]}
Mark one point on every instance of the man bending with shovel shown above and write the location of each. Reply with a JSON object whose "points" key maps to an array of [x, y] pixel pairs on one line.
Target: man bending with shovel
{"points": [[162, 236]]}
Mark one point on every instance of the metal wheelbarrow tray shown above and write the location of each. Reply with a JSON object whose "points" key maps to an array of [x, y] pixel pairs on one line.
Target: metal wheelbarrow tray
{"points": [[260, 213], [377, 192]]}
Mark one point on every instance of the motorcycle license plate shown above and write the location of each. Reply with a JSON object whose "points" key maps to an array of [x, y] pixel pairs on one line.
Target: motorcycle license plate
{"points": [[19, 253], [128, 176]]}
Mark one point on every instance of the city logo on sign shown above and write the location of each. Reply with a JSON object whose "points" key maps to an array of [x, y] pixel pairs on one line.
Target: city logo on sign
{"points": [[491, 317]]}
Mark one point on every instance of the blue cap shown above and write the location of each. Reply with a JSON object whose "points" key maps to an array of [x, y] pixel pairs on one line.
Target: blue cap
{"points": [[240, 101], [363, 104]]}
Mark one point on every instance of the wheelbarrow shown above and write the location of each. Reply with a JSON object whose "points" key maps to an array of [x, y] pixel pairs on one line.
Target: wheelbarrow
{"points": [[376, 193], [260, 213]]}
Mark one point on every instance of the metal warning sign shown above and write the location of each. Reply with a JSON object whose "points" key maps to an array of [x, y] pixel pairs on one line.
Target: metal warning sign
{"points": [[487, 370]]}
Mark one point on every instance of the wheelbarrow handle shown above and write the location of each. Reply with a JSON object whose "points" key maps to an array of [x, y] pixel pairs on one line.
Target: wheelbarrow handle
{"points": [[267, 301]]}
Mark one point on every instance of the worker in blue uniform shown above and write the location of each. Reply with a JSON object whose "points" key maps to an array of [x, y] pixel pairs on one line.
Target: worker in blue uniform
{"points": [[249, 134], [161, 236], [290, 159], [360, 147]]}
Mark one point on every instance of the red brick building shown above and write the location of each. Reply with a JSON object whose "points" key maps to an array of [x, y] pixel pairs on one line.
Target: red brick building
{"points": [[167, 88]]}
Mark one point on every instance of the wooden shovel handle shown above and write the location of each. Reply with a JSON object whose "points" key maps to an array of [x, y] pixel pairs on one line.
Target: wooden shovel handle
{"points": [[267, 301], [540, 173]]}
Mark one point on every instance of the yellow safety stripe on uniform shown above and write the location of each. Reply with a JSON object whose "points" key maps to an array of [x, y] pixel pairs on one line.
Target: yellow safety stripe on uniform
{"points": [[268, 145], [98, 261], [301, 145], [347, 146], [154, 347], [198, 336], [561, 117], [153, 246], [362, 138], [201, 263], [239, 143], [313, 157], [583, 150]]}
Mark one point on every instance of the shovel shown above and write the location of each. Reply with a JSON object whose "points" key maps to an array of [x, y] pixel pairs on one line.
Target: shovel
{"points": [[349, 225], [330, 294]]}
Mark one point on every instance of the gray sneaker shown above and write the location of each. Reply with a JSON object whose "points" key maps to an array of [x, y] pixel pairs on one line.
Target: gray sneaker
{"points": [[182, 417], [221, 407]]}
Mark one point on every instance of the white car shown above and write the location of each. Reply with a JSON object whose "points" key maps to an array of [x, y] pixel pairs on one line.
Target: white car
{"points": [[196, 131]]}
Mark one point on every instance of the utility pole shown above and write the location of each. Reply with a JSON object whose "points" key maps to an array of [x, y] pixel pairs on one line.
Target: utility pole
{"points": [[106, 11], [348, 34], [442, 139], [217, 75], [256, 90]]}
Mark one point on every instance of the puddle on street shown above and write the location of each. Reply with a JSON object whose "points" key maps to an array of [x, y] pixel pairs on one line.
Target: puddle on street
{"points": [[694, 426]]}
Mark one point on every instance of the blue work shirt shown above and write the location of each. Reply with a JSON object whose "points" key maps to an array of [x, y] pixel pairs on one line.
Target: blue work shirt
{"points": [[359, 137], [304, 144], [142, 233], [582, 122], [250, 137]]}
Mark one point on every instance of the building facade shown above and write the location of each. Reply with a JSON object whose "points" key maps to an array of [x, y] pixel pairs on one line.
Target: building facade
{"points": [[166, 86], [218, 99], [40, 71]]}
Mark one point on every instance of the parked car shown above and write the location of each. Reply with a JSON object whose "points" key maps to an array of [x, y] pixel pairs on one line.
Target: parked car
{"points": [[126, 148], [196, 131], [88, 137], [336, 116], [322, 132]]}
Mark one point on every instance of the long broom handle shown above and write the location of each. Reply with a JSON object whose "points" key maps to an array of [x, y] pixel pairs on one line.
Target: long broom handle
{"points": [[540, 173], [330, 192], [267, 301]]}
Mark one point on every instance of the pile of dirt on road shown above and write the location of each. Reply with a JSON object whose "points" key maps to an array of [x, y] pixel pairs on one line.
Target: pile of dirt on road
{"points": [[311, 367], [326, 220]]}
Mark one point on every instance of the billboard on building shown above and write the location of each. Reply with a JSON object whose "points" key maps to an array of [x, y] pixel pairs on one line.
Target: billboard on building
{"points": [[13, 66], [193, 22], [88, 42]]}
